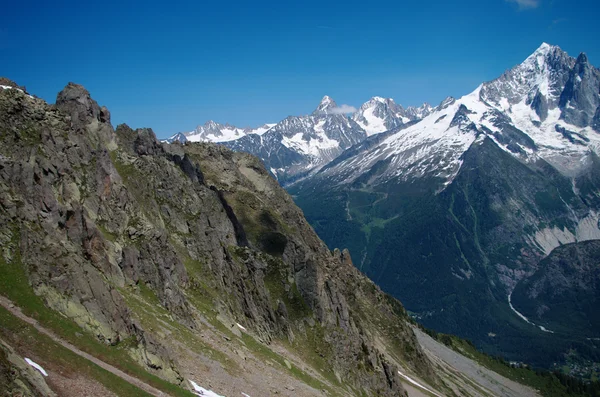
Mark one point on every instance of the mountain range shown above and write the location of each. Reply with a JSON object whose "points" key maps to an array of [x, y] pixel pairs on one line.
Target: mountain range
{"points": [[130, 267], [449, 214], [135, 267], [299, 145], [450, 208]]}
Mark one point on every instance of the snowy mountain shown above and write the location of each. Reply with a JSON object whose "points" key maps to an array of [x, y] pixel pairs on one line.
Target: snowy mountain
{"points": [[542, 108], [416, 113], [212, 131], [383, 114], [379, 115], [301, 144], [451, 212], [326, 106]]}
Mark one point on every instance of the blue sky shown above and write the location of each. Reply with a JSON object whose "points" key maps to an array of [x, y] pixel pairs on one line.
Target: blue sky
{"points": [[171, 66]]}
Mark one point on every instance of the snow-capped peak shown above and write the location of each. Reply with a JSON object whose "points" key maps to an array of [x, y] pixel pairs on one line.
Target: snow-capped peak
{"points": [[546, 107], [326, 106], [381, 99], [545, 48], [543, 75], [378, 115], [212, 131]]}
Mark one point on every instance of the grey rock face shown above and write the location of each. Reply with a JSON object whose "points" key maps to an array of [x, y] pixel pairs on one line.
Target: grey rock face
{"points": [[75, 101], [520, 81], [563, 293], [540, 105], [98, 216], [299, 144], [445, 103], [461, 118], [580, 97], [596, 120]]}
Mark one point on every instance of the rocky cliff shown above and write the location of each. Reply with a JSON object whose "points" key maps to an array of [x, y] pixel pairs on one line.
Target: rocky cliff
{"points": [[163, 248]]}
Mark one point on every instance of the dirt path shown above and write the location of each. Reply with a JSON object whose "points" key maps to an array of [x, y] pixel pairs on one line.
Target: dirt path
{"points": [[8, 305]]}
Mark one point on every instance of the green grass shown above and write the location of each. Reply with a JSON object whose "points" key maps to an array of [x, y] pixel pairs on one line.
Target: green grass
{"points": [[19, 333], [14, 284], [155, 317], [267, 354]]}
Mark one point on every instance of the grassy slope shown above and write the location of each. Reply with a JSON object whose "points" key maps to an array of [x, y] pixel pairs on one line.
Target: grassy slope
{"points": [[15, 286]]}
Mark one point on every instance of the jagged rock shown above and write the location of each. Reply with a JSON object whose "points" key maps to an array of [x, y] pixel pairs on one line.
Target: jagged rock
{"points": [[540, 105], [579, 99], [9, 83], [596, 120], [17, 378], [75, 101], [103, 214]]}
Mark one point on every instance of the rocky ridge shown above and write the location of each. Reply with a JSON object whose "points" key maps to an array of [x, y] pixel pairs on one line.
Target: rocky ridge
{"points": [[133, 240]]}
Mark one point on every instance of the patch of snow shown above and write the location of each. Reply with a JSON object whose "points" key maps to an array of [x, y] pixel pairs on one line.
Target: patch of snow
{"points": [[372, 124], [36, 366], [549, 238], [240, 326], [525, 318], [418, 384], [7, 87], [314, 145], [587, 228], [261, 130], [200, 391]]}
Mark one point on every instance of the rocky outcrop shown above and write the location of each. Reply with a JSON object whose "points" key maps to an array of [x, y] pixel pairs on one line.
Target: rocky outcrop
{"points": [[564, 293], [579, 99], [540, 105], [97, 216], [17, 378], [596, 120]]}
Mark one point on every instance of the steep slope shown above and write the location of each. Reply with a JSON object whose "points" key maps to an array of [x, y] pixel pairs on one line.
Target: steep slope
{"points": [[563, 295], [449, 213], [183, 262]]}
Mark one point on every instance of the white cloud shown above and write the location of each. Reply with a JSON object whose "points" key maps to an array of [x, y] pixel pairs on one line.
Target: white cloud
{"points": [[525, 4], [344, 109]]}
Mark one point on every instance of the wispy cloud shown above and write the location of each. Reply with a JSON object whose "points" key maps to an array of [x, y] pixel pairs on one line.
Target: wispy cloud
{"points": [[526, 4], [344, 109]]}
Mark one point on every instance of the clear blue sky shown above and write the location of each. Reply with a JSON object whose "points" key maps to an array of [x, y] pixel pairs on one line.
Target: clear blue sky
{"points": [[171, 65]]}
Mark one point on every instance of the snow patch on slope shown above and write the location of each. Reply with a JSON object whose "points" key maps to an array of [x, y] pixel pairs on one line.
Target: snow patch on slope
{"points": [[36, 366], [311, 146], [200, 391]]}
